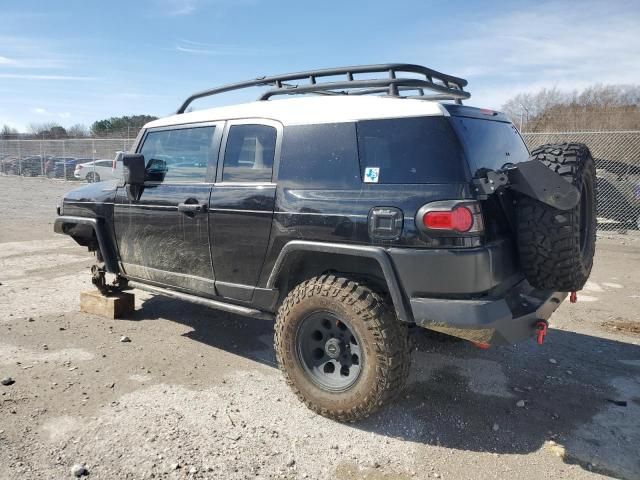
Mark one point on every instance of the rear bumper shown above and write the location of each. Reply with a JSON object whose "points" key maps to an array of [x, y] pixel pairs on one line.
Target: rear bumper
{"points": [[449, 272], [478, 294], [506, 320]]}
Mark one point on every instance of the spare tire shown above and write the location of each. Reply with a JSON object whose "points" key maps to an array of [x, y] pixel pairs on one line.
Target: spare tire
{"points": [[556, 247]]}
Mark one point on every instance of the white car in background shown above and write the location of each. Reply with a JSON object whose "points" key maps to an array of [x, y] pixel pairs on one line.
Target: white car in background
{"points": [[99, 170]]}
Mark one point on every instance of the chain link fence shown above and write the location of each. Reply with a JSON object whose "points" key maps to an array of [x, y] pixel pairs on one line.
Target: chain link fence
{"points": [[58, 158], [617, 156]]}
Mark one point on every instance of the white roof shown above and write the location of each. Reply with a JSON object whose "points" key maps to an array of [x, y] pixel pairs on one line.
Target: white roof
{"points": [[312, 110]]}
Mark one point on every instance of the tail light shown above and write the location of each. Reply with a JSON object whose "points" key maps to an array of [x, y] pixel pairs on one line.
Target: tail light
{"points": [[451, 216]]}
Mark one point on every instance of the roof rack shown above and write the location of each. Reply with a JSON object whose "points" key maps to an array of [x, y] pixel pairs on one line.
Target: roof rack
{"points": [[441, 86]]}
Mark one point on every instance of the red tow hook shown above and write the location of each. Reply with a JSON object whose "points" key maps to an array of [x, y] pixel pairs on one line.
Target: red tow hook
{"points": [[573, 297], [542, 327]]}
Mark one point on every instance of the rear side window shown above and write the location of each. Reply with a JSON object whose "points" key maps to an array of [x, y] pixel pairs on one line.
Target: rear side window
{"points": [[324, 155], [409, 150], [489, 144], [179, 154], [248, 156]]}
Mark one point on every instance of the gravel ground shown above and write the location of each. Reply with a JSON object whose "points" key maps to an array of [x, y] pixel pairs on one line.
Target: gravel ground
{"points": [[195, 394]]}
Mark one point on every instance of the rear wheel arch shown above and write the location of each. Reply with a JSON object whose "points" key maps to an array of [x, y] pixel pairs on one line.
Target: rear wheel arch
{"points": [[301, 260]]}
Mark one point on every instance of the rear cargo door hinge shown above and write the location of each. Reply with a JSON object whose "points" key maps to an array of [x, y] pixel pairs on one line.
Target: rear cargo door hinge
{"points": [[489, 184], [531, 178]]}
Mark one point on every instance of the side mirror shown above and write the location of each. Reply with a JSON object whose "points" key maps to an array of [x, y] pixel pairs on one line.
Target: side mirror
{"points": [[134, 169], [156, 170]]}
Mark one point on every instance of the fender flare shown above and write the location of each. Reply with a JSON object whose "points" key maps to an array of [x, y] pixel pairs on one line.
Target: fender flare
{"points": [[62, 225], [403, 312]]}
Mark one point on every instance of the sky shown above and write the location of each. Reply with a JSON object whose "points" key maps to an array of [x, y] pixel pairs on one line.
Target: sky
{"points": [[78, 61]]}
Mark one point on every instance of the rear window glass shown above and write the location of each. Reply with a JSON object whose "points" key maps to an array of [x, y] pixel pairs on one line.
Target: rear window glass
{"points": [[409, 150], [489, 144]]}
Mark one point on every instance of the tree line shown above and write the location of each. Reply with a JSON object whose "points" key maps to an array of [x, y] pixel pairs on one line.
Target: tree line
{"points": [[125, 126], [596, 108]]}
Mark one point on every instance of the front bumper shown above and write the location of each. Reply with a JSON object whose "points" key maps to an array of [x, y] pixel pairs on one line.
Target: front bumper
{"points": [[505, 320]]}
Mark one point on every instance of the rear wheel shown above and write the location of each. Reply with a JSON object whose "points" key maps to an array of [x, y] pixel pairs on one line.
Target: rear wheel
{"points": [[556, 247], [340, 347]]}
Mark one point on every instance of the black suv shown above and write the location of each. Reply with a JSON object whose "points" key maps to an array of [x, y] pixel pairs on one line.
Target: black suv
{"points": [[371, 202]]}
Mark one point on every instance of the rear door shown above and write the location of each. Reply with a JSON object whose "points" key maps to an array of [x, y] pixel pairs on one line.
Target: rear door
{"points": [[163, 237], [242, 204]]}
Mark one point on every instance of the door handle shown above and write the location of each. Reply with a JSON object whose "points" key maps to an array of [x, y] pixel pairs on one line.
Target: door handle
{"points": [[192, 208]]}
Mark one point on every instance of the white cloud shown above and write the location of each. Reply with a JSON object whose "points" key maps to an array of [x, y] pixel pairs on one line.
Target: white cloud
{"points": [[24, 52], [549, 44], [188, 7], [198, 48], [29, 76], [178, 7], [47, 113]]}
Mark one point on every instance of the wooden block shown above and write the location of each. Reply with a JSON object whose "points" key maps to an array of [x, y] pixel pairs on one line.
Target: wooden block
{"points": [[115, 305]]}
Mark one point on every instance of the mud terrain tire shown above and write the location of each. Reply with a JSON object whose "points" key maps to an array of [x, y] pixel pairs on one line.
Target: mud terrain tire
{"points": [[556, 247], [382, 340]]}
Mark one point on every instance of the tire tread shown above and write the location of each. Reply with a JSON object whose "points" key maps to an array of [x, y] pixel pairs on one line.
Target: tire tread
{"points": [[391, 342]]}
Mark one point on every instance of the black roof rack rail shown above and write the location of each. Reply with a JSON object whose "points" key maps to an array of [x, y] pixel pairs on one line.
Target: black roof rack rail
{"points": [[441, 85]]}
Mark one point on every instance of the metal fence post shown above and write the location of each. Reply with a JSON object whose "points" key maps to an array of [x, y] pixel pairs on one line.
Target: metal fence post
{"points": [[64, 160]]}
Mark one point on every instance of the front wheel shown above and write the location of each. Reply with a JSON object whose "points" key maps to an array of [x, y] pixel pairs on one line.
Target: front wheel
{"points": [[340, 347]]}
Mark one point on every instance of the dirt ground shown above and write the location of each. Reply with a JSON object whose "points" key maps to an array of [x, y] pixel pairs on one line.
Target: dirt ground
{"points": [[196, 393]]}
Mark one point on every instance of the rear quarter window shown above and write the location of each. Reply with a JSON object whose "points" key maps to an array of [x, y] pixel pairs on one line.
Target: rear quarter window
{"points": [[489, 144], [324, 155], [410, 150]]}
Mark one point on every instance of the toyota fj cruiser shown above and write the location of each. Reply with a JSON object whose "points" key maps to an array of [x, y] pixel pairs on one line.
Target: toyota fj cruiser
{"points": [[371, 202]]}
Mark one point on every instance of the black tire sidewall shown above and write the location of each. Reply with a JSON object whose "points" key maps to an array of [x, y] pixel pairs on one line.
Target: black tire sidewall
{"points": [[368, 378], [587, 183]]}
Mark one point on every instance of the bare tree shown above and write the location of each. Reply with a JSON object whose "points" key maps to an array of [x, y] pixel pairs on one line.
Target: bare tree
{"points": [[598, 107], [78, 131], [8, 131], [38, 128]]}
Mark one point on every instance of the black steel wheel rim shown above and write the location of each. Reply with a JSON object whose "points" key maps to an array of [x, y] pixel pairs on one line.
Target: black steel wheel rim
{"points": [[329, 351]]}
